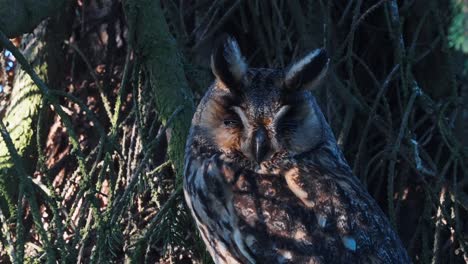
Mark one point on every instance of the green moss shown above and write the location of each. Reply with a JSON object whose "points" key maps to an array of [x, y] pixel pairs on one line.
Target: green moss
{"points": [[458, 31], [164, 68], [20, 120], [27, 14]]}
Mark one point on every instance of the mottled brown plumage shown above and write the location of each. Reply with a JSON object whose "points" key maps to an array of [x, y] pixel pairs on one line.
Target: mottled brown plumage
{"points": [[264, 178]]}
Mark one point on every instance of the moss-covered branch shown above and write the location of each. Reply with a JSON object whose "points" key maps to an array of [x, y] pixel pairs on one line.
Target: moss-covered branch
{"points": [[163, 66], [22, 16], [21, 115]]}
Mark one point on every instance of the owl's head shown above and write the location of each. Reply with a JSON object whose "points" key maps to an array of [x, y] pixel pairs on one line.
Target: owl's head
{"points": [[259, 112]]}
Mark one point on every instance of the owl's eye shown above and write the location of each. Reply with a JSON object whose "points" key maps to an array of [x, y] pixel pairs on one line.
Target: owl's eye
{"points": [[234, 118], [288, 125], [287, 119], [232, 123]]}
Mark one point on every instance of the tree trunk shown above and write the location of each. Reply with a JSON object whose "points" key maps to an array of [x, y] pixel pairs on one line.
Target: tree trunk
{"points": [[22, 16], [21, 118], [162, 62]]}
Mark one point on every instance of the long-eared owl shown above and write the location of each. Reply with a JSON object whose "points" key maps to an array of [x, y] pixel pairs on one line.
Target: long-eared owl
{"points": [[264, 177]]}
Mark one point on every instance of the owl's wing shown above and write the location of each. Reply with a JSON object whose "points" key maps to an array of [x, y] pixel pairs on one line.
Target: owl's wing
{"points": [[302, 215], [347, 220], [209, 198]]}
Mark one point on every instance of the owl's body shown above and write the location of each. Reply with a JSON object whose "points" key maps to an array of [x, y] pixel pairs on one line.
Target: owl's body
{"points": [[265, 180]]}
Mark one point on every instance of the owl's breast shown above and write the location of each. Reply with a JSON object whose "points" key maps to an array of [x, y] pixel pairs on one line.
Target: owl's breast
{"points": [[262, 200], [296, 214], [281, 223]]}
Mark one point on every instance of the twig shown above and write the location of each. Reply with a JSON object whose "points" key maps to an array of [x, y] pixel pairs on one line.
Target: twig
{"points": [[383, 89], [105, 101], [119, 204], [395, 149], [48, 96], [438, 227], [221, 22], [26, 188], [9, 240]]}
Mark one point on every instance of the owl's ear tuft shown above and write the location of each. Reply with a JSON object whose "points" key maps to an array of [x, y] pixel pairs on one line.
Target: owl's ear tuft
{"points": [[307, 73], [227, 63]]}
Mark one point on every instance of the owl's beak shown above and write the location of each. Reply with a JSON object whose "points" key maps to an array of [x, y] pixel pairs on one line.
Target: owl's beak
{"points": [[260, 146]]}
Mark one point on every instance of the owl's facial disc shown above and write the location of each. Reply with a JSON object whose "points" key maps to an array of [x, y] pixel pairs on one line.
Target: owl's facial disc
{"points": [[258, 127], [255, 138], [261, 112]]}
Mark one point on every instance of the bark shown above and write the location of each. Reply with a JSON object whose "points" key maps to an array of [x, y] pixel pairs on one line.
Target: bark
{"points": [[22, 16], [21, 117], [43, 50], [162, 62]]}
